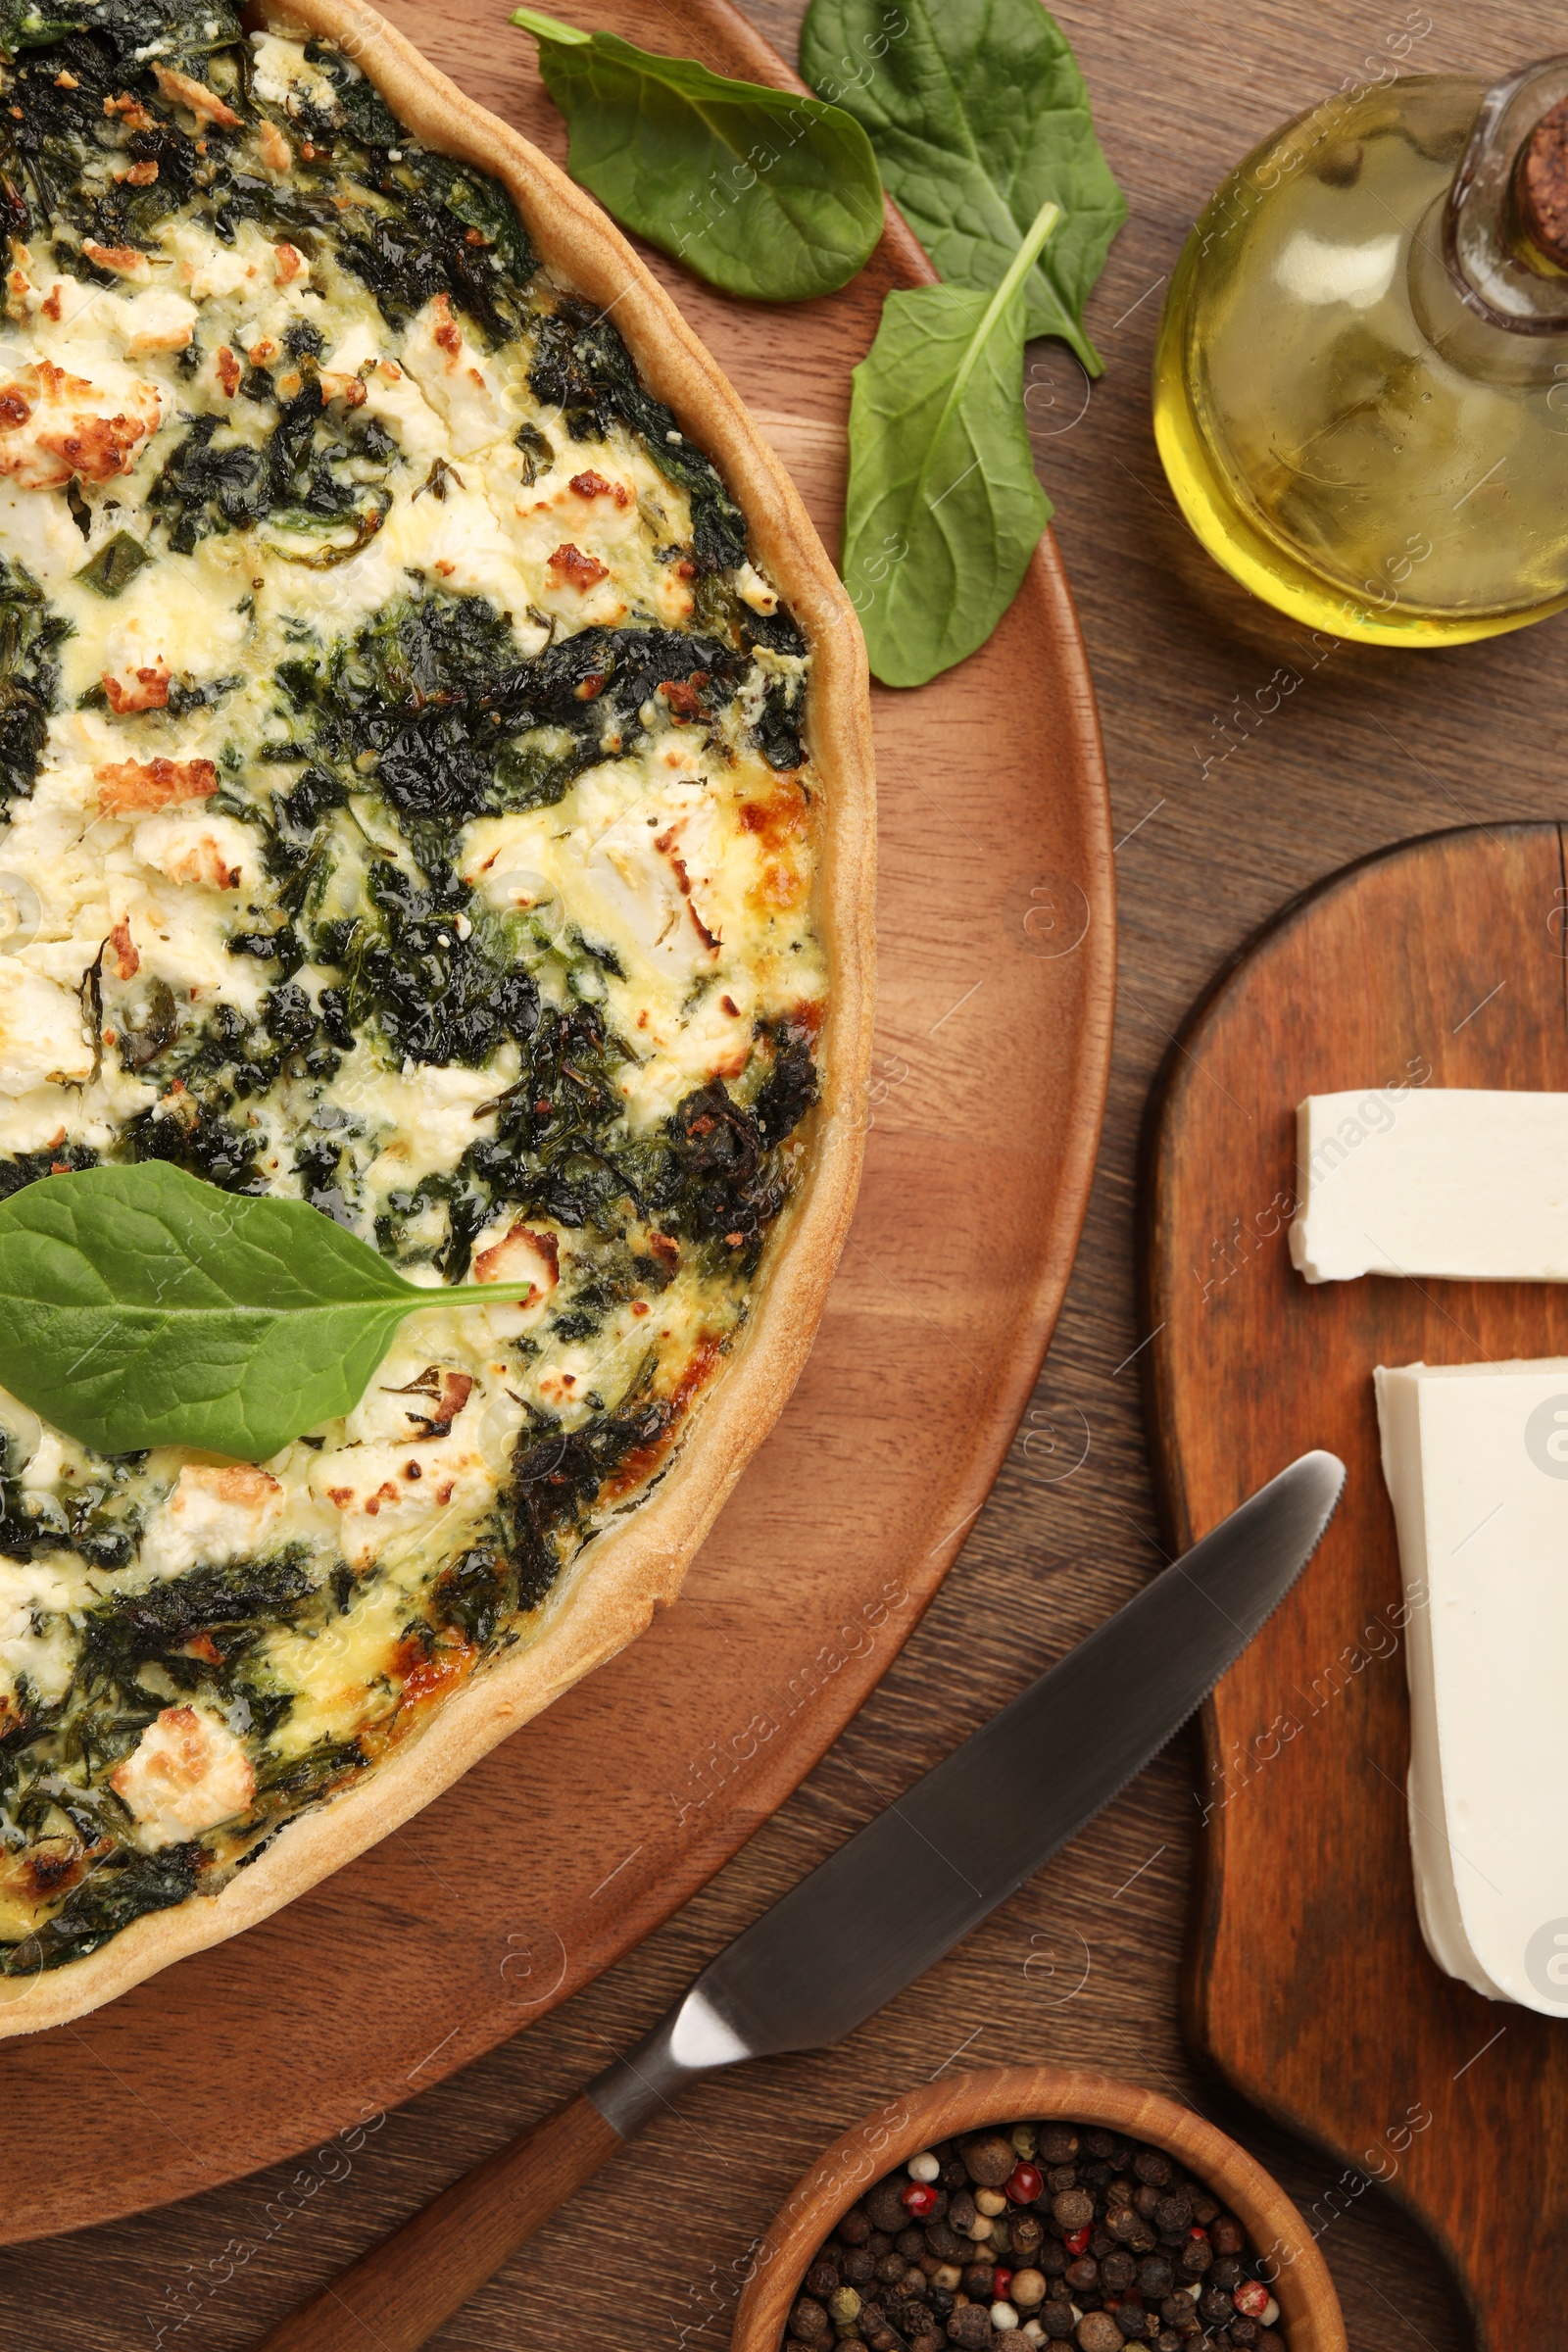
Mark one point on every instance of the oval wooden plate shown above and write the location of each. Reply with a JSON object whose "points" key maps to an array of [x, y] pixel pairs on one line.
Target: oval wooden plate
{"points": [[1439, 963], [577, 1837]]}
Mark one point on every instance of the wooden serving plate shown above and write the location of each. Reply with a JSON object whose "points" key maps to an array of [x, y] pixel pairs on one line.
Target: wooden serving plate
{"points": [[1441, 961], [574, 1839]]}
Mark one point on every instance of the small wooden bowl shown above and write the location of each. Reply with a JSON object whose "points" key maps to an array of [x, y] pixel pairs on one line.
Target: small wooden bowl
{"points": [[1310, 2319]]}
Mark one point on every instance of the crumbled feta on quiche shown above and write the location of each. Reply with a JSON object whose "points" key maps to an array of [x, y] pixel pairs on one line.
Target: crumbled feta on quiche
{"points": [[405, 810]]}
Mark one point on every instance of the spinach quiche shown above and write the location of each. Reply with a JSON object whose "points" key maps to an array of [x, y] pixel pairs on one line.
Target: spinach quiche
{"points": [[433, 749]]}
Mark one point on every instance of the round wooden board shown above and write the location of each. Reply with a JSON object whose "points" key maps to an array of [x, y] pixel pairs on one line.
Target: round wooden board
{"points": [[1439, 963], [577, 1836]]}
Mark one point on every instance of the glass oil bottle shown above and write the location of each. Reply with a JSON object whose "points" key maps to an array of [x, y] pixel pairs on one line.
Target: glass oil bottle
{"points": [[1361, 377]]}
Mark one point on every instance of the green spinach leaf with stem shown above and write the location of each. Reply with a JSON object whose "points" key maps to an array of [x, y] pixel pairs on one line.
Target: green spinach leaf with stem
{"points": [[979, 116], [139, 1307], [943, 511], [765, 193]]}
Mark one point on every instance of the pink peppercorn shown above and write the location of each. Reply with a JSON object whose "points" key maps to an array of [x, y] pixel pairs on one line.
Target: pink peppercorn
{"points": [[918, 2200], [1253, 2298], [1024, 2184]]}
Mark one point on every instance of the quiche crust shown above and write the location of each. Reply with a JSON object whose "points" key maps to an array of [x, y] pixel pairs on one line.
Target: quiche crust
{"points": [[610, 1591]]}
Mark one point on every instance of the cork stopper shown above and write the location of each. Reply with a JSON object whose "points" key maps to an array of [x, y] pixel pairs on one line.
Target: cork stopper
{"points": [[1541, 186]]}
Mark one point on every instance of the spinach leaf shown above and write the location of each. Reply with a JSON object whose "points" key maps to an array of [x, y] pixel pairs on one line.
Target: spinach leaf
{"points": [[943, 511], [979, 116], [763, 193], [139, 1307]]}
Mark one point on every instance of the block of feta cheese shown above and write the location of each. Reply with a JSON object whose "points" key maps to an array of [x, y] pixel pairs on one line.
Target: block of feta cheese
{"points": [[1447, 1181], [1475, 1460]]}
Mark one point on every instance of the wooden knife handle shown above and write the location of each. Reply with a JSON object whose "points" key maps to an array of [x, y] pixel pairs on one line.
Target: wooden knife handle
{"points": [[395, 2298]]}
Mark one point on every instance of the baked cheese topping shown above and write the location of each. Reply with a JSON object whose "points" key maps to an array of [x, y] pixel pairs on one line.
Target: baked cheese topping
{"points": [[407, 811]]}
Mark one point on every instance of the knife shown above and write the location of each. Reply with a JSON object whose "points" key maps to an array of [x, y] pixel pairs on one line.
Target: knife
{"points": [[873, 1916]]}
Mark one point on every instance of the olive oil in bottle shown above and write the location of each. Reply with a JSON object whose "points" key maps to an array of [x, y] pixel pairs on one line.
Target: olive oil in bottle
{"points": [[1361, 380]]}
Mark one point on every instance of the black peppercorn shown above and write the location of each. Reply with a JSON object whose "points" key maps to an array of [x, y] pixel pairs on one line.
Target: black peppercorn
{"points": [[885, 2206], [1174, 2211]]}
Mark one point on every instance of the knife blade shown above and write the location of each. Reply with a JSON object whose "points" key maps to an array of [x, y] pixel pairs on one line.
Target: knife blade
{"points": [[875, 1915], [941, 1858]]}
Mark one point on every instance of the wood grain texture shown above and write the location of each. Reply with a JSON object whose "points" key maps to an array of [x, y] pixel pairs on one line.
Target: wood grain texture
{"points": [[565, 1844], [1438, 964], [1082, 1966], [1310, 2310], [396, 2297]]}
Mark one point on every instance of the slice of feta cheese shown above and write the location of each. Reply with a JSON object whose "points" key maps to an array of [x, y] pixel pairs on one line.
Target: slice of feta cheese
{"points": [[44, 1038], [212, 1515], [516, 1253], [1476, 1462], [453, 378], [54, 424], [1467, 1184], [216, 851], [155, 319], [391, 1494], [186, 1774]]}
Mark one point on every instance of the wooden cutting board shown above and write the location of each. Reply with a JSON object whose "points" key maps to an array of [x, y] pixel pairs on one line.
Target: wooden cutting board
{"points": [[1442, 961], [577, 1836]]}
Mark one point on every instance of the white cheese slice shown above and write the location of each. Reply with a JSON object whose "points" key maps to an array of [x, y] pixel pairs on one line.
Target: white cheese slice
{"points": [[187, 1773], [214, 1514], [1455, 1182], [1476, 1462]]}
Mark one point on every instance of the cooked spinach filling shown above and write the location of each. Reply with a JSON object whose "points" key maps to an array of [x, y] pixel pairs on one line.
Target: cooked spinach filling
{"points": [[409, 811]]}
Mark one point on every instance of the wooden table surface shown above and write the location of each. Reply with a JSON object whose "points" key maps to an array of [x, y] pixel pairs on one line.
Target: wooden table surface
{"points": [[1219, 818]]}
